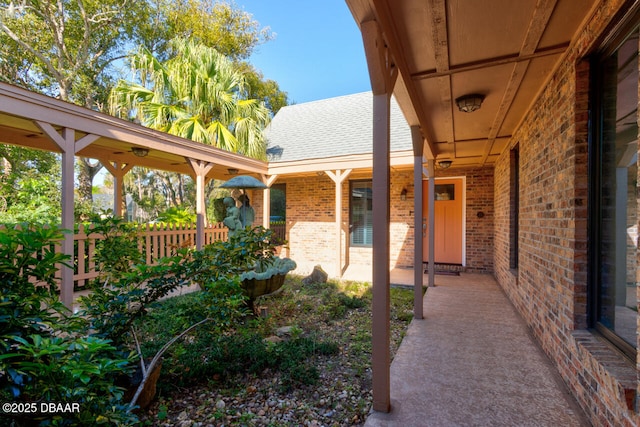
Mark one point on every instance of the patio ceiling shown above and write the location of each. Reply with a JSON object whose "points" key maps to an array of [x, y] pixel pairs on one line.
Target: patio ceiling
{"points": [[21, 112], [504, 50]]}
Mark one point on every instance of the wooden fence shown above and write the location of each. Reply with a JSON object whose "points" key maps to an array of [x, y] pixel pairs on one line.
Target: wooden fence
{"points": [[155, 241]]}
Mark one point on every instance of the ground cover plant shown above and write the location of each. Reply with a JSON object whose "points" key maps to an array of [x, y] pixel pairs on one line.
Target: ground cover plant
{"points": [[306, 362]]}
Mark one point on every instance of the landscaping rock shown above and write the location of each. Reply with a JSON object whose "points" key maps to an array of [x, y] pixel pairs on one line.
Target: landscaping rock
{"points": [[273, 339], [284, 331], [318, 275]]}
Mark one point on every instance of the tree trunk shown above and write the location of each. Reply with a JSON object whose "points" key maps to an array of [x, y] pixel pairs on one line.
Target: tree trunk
{"points": [[87, 171]]}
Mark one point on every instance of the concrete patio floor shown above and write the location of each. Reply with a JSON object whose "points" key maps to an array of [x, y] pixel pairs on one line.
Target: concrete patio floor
{"points": [[472, 362]]}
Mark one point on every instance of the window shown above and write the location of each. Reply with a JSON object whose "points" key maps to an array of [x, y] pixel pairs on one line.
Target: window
{"points": [[613, 155], [361, 213], [278, 209], [278, 206], [514, 206]]}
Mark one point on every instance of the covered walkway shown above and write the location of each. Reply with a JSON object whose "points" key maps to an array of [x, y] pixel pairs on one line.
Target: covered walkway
{"points": [[472, 362]]}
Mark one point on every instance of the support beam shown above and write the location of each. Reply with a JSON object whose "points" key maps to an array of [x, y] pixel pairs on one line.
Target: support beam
{"points": [[268, 180], [68, 145], [338, 178], [200, 169], [418, 143], [432, 221], [383, 75], [118, 170]]}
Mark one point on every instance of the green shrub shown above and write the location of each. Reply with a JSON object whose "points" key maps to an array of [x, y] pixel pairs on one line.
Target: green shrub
{"points": [[45, 354], [177, 215]]}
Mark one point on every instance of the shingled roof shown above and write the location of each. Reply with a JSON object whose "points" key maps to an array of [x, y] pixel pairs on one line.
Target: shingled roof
{"points": [[330, 128]]}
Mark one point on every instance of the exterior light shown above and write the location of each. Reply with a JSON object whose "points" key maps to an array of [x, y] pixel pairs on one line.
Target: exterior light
{"points": [[403, 194], [232, 171], [445, 164], [469, 103], [139, 151]]}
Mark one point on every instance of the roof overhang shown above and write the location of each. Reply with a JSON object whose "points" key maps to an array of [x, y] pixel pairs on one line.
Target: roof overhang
{"points": [[21, 111], [504, 50]]}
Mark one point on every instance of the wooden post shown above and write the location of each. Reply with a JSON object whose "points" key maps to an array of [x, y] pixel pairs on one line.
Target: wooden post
{"points": [[266, 200], [68, 146], [418, 143], [118, 170], [338, 178], [383, 75], [200, 169], [432, 222]]}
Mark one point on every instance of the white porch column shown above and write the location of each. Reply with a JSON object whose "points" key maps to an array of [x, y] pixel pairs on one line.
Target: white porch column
{"points": [[69, 146], [383, 74], [118, 170], [432, 221], [338, 178], [418, 143], [266, 199], [200, 169]]}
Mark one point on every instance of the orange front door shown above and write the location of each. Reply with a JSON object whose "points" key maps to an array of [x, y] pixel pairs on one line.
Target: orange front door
{"points": [[448, 221]]}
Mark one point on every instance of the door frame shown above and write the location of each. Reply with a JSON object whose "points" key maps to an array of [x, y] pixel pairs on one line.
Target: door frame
{"points": [[463, 180]]}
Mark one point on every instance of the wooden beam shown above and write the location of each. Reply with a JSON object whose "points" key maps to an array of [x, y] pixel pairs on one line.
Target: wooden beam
{"points": [[118, 170], [338, 178], [390, 32], [66, 142], [266, 199], [492, 62], [538, 23], [200, 169], [417, 139], [382, 70], [381, 259], [431, 215], [441, 46]]}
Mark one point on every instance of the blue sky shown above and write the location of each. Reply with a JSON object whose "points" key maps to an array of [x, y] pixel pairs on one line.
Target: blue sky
{"points": [[317, 52]]}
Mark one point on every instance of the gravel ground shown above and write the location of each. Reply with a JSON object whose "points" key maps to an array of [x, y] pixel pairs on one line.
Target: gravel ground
{"points": [[341, 397]]}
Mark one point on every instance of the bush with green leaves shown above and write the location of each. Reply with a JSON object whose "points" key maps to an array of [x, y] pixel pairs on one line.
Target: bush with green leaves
{"points": [[208, 353], [45, 353], [123, 295], [118, 248], [177, 215]]}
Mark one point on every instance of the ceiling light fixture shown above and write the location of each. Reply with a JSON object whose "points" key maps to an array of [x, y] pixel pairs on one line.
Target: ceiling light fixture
{"points": [[444, 164], [232, 171], [469, 103], [139, 151]]}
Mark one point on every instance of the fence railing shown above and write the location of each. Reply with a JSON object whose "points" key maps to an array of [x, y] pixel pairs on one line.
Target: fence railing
{"points": [[279, 229], [155, 241]]}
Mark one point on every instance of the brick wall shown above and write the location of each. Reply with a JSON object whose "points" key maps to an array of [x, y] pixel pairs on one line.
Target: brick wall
{"points": [[549, 288], [311, 220]]}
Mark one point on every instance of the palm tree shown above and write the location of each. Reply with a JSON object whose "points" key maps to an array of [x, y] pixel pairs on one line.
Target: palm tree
{"points": [[197, 94]]}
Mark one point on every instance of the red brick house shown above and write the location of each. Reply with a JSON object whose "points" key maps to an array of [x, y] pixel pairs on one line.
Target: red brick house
{"points": [[535, 104], [312, 144], [546, 169]]}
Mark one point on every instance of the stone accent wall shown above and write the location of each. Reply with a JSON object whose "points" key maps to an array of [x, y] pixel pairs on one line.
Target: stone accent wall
{"points": [[549, 288]]}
